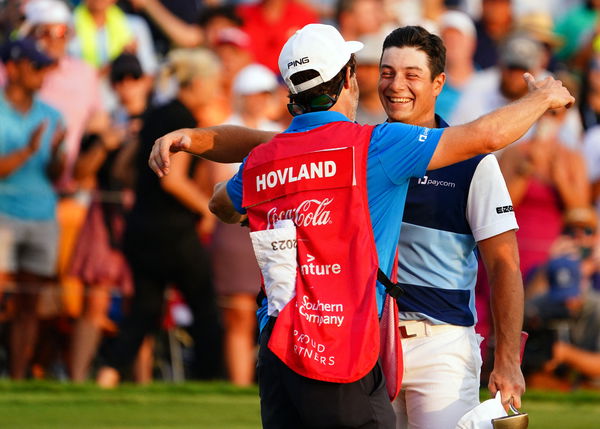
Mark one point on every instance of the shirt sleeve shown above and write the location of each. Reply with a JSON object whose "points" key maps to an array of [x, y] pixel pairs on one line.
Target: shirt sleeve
{"points": [[489, 207], [404, 150], [235, 189]]}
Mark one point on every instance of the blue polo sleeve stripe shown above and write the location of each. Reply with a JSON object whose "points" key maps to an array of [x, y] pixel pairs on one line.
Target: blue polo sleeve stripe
{"points": [[404, 150]]}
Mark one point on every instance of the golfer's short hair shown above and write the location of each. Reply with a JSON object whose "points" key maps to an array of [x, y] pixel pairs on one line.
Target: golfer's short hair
{"points": [[421, 39]]}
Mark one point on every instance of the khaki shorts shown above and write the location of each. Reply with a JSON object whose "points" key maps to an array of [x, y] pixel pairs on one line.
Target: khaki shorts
{"points": [[28, 246]]}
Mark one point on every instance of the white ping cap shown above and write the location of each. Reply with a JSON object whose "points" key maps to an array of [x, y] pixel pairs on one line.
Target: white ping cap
{"points": [[316, 47]]}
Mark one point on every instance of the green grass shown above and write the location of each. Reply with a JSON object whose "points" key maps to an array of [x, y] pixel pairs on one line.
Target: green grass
{"points": [[212, 406], [189, 405], [551, 410]]}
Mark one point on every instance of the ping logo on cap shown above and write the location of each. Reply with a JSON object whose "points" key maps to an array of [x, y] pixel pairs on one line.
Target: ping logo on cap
{"points": [[303, 60]]}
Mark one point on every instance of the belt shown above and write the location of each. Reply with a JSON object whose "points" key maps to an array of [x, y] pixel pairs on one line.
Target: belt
{"points": [[422, 328]]}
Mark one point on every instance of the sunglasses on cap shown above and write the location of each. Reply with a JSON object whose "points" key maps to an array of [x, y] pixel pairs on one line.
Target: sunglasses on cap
{"points": [[319, 103], [52, 32]]}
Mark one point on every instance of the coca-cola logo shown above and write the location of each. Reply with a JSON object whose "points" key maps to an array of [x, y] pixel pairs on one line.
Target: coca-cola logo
{"points": [[308, 213]]}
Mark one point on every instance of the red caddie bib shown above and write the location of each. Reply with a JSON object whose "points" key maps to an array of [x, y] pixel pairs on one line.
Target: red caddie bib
{"points": [[329, 331]]}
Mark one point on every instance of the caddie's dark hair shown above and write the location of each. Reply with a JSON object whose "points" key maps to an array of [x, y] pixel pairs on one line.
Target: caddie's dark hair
{"points": [[330, 87], [423, 40]]}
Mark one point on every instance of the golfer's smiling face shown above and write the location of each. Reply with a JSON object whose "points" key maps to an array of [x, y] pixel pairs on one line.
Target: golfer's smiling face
{"points": [[406, 89]]}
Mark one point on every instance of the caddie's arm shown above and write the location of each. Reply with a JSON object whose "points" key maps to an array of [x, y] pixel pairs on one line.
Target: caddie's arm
{"points": [[501, 127], [221, 205], [223, 143], [501, 258]]}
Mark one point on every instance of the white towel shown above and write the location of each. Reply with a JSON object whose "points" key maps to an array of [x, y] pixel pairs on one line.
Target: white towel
{"points": [[276, 253], [481, 416]]}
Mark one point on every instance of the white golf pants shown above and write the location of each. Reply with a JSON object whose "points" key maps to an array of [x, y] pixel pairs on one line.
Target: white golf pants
{"points": [[442, 365]]}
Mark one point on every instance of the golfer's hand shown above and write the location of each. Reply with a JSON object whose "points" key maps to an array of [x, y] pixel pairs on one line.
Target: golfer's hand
{"points": [[559, 95], [164, 147], [508, 379]]}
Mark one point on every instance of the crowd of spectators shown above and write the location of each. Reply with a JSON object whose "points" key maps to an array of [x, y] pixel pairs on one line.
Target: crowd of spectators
{"points": [[98, 256]]}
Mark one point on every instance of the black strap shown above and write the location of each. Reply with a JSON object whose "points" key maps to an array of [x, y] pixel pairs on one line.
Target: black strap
{"points": [[394, 289]]}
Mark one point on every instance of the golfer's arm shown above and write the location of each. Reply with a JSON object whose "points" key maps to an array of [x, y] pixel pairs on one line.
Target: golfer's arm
{"points": [[490, 132], [501, 258], [225, 143]]}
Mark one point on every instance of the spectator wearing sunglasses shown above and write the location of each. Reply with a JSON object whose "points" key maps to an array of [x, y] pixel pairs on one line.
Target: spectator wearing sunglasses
{"points": [[73, 88], [577, 241], [563, 307]]}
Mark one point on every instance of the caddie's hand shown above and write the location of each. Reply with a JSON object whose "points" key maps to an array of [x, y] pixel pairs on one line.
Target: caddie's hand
{"points": [[508, 379], [166, 145], [558, 93]]}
